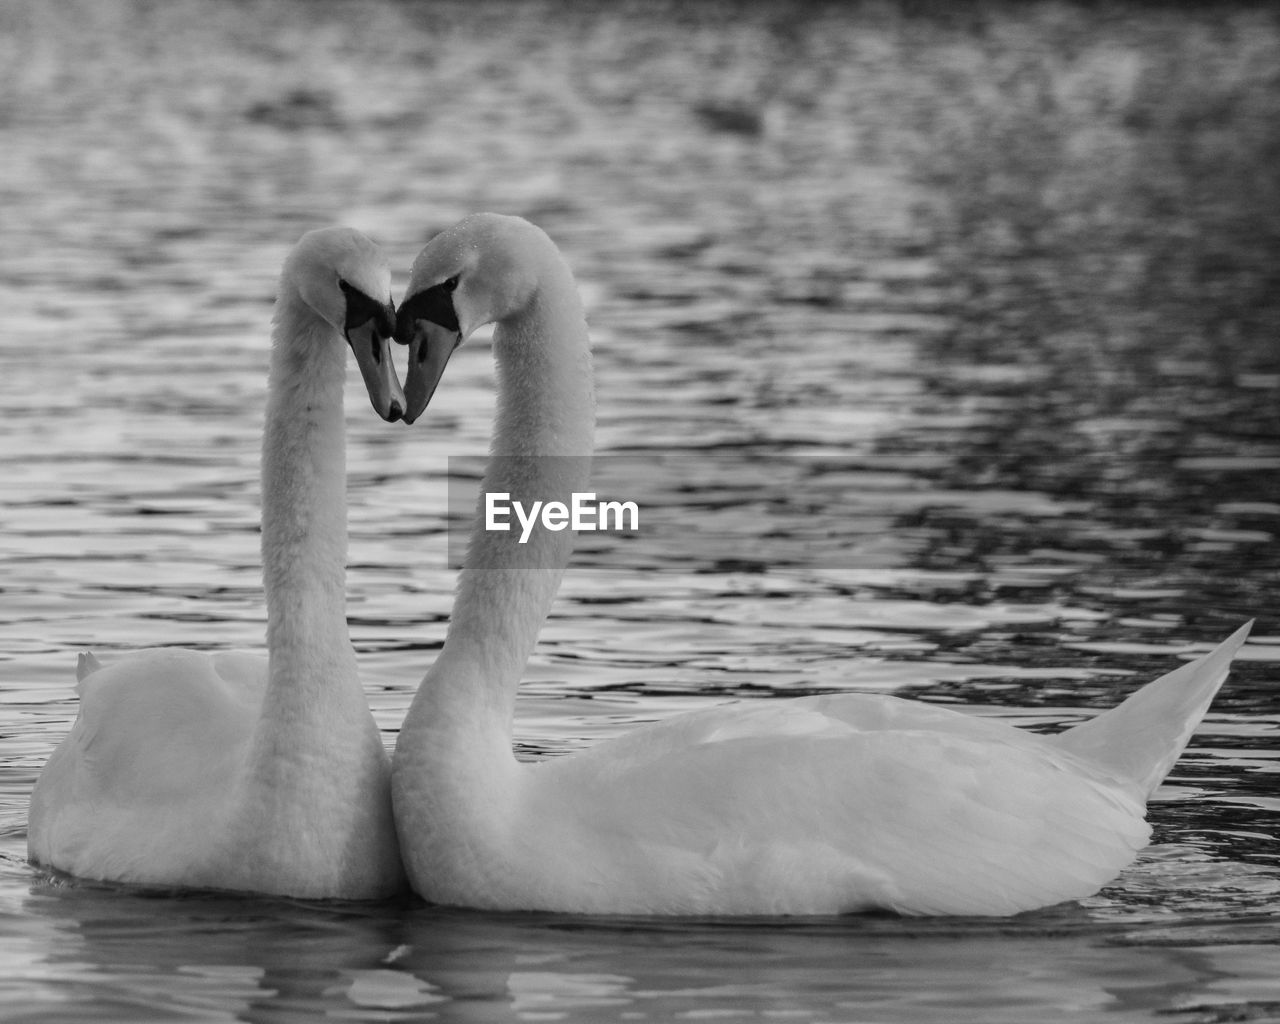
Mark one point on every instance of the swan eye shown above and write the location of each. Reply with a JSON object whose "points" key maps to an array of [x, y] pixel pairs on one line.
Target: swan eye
{"points": [[451, 284]]}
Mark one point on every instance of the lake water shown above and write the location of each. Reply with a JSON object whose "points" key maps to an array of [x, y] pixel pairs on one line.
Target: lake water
{"points": [[946, 347]]}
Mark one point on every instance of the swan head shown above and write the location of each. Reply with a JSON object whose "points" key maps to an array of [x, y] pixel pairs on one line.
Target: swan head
{"points": [[345, 280], [485, 269]]}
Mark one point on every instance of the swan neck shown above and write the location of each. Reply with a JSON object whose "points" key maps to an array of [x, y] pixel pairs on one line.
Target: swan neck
{"points": [[304, 508], [546, 398], [541, 447]]}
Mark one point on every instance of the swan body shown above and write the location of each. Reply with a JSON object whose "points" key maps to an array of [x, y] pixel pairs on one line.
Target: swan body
{"points": [[814, 805], [229, 770]]}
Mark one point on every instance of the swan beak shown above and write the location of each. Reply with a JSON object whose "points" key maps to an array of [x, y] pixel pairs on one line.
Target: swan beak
{"points": [[430, 346], [371, 343]]}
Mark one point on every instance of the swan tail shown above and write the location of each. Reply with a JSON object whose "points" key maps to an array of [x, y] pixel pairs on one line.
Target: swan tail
{"points": [[1140, 739], [86, 665]]}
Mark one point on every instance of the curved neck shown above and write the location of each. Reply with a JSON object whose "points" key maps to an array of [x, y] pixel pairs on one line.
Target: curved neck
{"points": [[541, 449], [304, 510]]}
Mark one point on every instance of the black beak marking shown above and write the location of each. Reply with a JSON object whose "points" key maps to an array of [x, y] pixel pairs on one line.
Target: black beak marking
{"points": [[361, 309], [434, 304]]}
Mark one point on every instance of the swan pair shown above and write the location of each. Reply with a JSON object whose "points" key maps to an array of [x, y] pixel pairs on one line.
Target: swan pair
{"points": [[220, 771]]}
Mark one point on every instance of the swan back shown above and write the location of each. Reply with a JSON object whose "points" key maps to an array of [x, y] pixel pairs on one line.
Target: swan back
{"points": [[159, 734]]}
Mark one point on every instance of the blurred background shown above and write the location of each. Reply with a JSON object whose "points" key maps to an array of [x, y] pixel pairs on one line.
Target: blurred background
{"points": [[944, 339]]}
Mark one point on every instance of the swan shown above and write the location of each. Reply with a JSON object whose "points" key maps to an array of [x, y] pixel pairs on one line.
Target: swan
{"points": [[228, 770], [813, 805]]}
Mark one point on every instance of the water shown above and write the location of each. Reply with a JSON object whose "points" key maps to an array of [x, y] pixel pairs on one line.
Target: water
{"points": [[950, 340]]}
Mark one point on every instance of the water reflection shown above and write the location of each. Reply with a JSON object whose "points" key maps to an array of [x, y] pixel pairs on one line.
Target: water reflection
{"points": [[261, 960], [278, 960]]}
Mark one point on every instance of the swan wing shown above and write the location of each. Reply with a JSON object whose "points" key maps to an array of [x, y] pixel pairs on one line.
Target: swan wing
{"points": [[149, 762], [838, 803]]}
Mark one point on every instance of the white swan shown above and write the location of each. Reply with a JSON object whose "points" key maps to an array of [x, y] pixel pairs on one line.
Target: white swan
{"points": [[812, 805], [232, 771]]}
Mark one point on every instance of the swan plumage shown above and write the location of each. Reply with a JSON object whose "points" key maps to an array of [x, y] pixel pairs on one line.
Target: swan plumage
{"points": [[228, 770], [820, 804]]}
